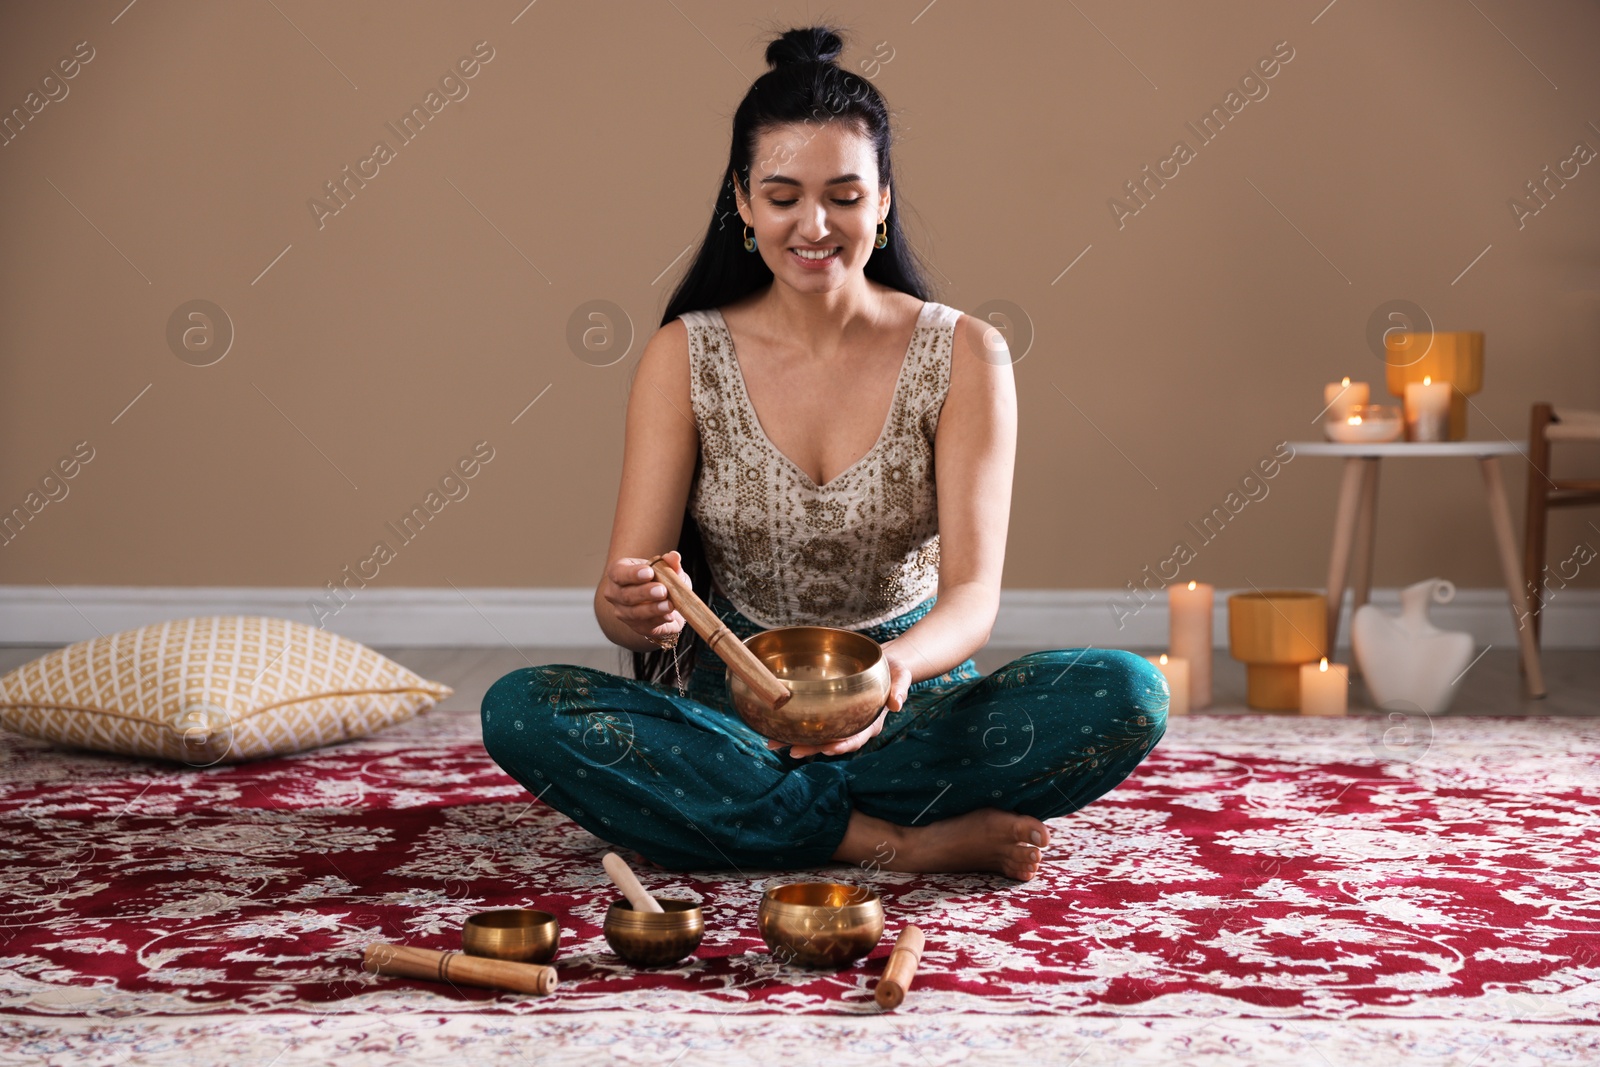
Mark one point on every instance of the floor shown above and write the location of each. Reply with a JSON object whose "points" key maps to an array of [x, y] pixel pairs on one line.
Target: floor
{"points": [[1264, 890], [1492, 687], [1323, 856]]}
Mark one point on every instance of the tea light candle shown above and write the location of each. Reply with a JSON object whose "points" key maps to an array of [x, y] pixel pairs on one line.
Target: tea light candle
{"points": [[1189, 636], [1427, 410], [1177, 671], [1324, 688], [1339, 397], [1366, 423]]}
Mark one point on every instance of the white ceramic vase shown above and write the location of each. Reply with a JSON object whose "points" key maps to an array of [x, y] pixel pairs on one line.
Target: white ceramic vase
{"points": [[1408, 662]]}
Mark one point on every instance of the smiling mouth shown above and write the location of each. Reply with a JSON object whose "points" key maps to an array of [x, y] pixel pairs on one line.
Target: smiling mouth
{"points": [[814, 256]]}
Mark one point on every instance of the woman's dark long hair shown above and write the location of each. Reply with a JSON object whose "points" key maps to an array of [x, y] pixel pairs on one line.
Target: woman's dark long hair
{"points": [[804, 84]]}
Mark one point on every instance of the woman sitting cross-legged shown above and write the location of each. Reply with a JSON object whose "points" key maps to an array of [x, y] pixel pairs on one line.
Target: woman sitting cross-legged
{"points": [[757, 441]]}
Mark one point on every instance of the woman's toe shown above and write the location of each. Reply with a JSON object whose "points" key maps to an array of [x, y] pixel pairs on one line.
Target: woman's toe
{"points": [[1031, 831], [1023, 864]]}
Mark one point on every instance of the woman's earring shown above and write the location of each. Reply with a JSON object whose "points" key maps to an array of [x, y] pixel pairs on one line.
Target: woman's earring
{"points": [[883, 235], [749, 240]]}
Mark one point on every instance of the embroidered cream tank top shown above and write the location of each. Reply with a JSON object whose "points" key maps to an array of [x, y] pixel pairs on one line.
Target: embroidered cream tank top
{"points": [[855, 552]]}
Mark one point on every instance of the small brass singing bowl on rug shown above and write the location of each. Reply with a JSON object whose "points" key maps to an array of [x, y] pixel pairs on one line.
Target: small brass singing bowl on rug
{"points": [[650, 939], [839, 678], [820, 924], [521, 935]]}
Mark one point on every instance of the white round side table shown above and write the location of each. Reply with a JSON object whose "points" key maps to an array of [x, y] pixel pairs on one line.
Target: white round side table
{"points": [[1355, 524]]}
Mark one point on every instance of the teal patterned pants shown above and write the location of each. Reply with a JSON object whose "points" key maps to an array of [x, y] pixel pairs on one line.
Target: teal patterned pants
{"points": [[681, 780]]}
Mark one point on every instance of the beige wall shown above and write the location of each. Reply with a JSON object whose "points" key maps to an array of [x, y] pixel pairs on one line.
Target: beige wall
{"points": [[425, 315]]}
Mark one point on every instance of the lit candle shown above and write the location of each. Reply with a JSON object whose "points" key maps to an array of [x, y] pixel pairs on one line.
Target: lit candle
{"points": [[1428, 410], [1177, 671], [1324, 688], [1365, 423], [1189, 636], [1339, 397]]}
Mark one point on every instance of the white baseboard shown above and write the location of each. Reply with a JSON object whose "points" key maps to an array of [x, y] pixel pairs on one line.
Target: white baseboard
{"points": [[564, 618], [411, 617], [1070, 618]]}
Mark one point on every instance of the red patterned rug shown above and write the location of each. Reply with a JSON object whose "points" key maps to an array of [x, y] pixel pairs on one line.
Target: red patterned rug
{"points": [[1276, 883]]}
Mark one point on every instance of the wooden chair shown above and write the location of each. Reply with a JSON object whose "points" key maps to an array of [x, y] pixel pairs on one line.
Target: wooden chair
{"points": [[1545, 491]]}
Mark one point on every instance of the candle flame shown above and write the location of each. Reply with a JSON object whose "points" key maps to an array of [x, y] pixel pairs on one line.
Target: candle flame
{"points": [[1346, 382], [1354, 420], [1324, 667], [1163, 659], [1191, 586], [1427, 379]]}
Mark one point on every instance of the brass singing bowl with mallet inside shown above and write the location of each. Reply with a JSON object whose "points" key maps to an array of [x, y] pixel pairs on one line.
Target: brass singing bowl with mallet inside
{"points": [[801, 685], [653, 939], [820, 924]]}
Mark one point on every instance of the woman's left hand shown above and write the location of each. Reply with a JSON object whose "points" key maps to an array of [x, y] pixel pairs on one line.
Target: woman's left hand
{"points": [[899, 688]]}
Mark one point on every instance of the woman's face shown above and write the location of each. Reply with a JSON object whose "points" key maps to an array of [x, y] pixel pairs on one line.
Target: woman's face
{"points": [[797, 203]]}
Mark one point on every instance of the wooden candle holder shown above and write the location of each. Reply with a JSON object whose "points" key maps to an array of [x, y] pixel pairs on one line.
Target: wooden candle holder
{"points": [[1455, 357], [1274, 632]]}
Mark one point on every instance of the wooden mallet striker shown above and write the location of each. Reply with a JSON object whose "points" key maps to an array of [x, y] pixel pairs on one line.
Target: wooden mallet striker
{"points": [[740, 660], [458, 968], [901, 968]]}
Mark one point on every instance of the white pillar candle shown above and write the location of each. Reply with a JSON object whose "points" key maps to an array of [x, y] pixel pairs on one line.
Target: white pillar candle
{"points": [[1428, 410], [1324, 688], [1189, 636], [1177, 671], [1340, 397]]}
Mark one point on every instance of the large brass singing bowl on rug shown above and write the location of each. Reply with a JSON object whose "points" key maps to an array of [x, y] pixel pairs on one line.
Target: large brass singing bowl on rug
{"points": [[820, 924], [839, 680]]}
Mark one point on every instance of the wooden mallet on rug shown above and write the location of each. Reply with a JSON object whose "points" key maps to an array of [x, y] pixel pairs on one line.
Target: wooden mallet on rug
{"points": [[901, 968], [458, 968]]}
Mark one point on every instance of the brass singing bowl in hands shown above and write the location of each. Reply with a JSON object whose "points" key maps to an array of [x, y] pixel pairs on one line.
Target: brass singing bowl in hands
{"points": [[799, 685], [839, 680], [820, 924]]}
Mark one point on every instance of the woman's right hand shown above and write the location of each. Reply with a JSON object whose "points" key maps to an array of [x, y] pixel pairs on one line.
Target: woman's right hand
{"points": [[639, 600]]}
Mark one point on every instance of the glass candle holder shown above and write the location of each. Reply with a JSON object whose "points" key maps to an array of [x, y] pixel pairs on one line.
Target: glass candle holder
{"points": [[1366, 424]]}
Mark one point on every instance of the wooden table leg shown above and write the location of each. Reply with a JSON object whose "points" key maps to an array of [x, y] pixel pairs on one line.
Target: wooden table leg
{"points": [[1366, 538], [1366, 531], [1344, 528], [1494, 489]]}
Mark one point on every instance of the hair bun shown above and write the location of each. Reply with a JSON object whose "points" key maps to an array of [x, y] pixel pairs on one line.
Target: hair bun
{"points": [[814, 44]]}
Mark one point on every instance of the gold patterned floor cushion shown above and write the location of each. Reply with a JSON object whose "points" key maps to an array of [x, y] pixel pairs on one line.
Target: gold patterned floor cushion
{"points": [[216, 689]]}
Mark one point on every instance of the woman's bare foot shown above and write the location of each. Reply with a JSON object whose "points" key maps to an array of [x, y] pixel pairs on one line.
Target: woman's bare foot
{"points": [[982, 840]]}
